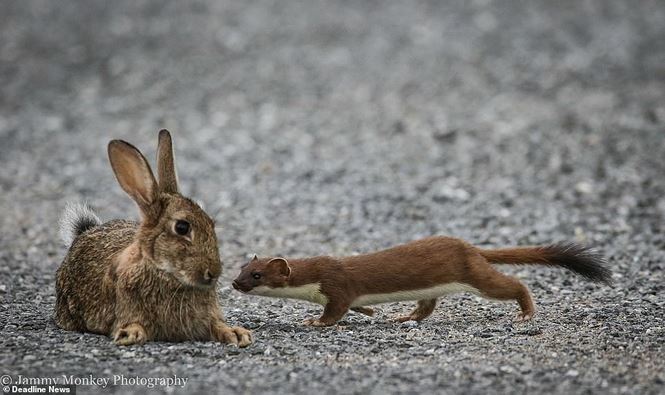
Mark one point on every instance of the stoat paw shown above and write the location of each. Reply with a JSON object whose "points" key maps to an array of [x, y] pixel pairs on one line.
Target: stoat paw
{"points": [[315, 322], [523, 317], [131, 334], [405, 318]]}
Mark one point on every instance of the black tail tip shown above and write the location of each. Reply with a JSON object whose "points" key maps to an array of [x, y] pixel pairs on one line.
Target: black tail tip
{"points": [[583, 260]]}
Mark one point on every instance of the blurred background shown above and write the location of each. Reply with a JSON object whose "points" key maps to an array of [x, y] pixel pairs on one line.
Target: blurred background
{"points": [[336, 127], [364, 122]]}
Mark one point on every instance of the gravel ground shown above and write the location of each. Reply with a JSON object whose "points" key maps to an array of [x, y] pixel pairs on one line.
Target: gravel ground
{"points": [[334, 127]]}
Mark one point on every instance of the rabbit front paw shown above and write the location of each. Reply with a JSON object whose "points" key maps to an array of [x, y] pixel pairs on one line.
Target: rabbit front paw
{"points": [[233, 335], [131, 334]]}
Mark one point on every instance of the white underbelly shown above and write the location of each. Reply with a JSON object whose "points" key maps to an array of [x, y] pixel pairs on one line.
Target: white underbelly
{"points": [[309, 292], [415, 294]]}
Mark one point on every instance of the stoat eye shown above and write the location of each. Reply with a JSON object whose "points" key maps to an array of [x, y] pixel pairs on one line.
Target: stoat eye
{"points": [[256, 276], [182, 227]]}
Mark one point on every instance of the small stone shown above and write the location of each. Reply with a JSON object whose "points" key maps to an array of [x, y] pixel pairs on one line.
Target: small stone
{"points": [[584, 187], [410, 324]]}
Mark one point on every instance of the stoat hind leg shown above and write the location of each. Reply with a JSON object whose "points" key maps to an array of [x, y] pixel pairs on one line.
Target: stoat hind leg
{"points": [[496, 285], [423, 310]]}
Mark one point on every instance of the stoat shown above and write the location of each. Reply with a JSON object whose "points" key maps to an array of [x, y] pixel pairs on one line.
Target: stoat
{"points": [[421, 270]]}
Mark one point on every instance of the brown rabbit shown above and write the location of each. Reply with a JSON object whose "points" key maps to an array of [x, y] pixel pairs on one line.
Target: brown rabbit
{"points": [[153, 280]]}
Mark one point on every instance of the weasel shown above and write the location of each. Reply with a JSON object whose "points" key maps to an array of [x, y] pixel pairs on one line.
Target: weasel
{"points": [[421, 270]]}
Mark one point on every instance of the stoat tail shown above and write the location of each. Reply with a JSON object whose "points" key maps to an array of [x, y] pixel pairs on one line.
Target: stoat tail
{"points": [[574, 257], [76, 219]]}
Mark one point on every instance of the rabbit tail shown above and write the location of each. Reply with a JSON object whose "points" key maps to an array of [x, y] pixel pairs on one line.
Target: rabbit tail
{"points": [[76, 219]]}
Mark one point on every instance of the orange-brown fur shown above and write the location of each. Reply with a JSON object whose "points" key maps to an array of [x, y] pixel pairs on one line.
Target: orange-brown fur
{"points": [[417, 265]]}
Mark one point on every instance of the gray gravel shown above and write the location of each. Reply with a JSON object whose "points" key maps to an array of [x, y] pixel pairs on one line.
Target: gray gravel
{"points": [[333, 127]]}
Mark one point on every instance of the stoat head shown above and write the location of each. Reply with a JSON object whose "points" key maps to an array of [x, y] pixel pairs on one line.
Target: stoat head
{"points": [[262, 274]]}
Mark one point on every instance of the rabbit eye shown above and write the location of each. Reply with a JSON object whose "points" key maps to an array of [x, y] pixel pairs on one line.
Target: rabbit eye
{"points": [[256, 275], [182, 227]]}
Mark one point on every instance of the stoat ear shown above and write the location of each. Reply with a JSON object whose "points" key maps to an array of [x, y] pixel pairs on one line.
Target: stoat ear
{"points": [[282, 266], [256, 258]]}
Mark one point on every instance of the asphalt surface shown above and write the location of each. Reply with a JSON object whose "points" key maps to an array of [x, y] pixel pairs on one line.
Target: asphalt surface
{"points": [[335, 127]]}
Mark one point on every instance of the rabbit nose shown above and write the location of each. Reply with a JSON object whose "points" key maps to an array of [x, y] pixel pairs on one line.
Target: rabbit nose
{"points": [[207, 275], [208, 278]]}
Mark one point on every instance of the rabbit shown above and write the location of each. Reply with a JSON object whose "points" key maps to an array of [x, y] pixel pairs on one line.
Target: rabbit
{"points": [[154, 280]]}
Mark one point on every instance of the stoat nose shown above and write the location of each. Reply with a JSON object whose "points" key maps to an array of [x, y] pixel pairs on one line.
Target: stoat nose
{"points": [[235, 285]]}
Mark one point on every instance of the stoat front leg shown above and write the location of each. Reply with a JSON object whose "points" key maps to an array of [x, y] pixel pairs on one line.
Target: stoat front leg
{"points": [[423, 310], [333, 312]]}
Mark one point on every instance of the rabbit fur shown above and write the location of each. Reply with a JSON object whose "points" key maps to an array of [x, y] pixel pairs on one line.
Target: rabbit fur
{"points": [[153, 280]]}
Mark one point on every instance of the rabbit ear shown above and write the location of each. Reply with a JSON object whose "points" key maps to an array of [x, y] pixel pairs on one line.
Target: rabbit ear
{"points": [[134, 175], [168, 178]]}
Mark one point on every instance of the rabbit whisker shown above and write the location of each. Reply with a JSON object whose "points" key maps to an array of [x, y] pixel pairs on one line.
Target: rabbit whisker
{"points": [[168, 305], [182, 324]]}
